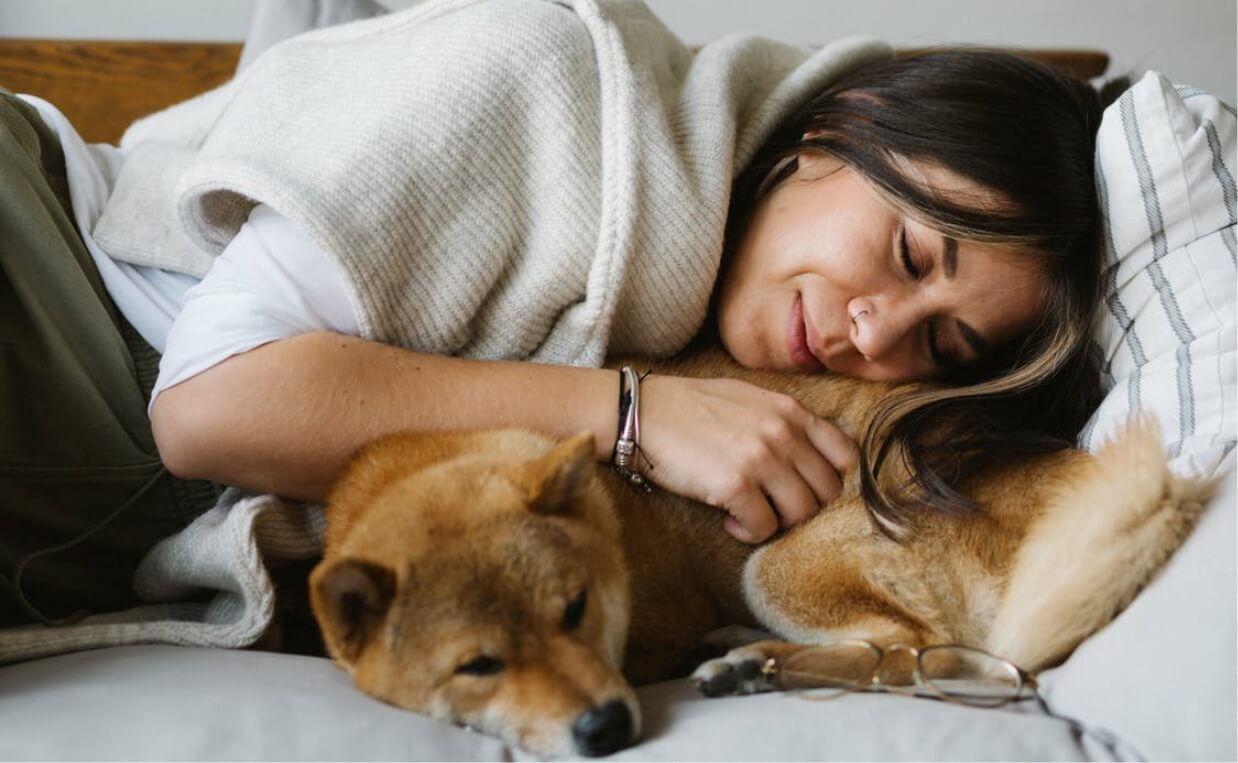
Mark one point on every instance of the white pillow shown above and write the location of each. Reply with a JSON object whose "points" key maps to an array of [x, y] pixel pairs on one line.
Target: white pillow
{"points": [[1165, 170], [1158, 682], [1160, 677]]}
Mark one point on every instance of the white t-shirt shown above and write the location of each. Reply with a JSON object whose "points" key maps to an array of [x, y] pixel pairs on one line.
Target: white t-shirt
{"points": [[271, 282]]}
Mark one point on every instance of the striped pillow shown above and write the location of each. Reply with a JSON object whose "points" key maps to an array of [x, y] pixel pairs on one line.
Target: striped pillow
{"points": [[1165, 172]]}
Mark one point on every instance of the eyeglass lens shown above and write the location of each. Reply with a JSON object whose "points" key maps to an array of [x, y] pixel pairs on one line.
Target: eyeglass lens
{"points": [[969, 675], [831, 669], [958, 673]]}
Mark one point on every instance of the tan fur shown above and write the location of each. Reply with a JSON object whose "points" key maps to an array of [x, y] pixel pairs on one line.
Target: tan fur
{"points": [[445, 547], [1122, 515]]}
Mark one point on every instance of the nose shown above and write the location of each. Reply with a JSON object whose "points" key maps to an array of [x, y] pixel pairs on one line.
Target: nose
{"points": [[603, 730], [879, 328]]}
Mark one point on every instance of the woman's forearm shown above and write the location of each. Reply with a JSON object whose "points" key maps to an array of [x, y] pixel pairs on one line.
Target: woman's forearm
{"points": [[285, 417]]}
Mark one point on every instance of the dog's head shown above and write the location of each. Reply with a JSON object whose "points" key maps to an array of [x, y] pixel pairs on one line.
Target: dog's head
{"points": [[479, 579]]}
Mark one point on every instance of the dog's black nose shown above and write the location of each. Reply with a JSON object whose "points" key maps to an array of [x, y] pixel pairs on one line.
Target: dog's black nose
{"points": [[604, 729]]}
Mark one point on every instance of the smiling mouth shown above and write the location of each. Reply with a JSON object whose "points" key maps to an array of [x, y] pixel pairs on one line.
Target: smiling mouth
{"points": [[798, 338]]}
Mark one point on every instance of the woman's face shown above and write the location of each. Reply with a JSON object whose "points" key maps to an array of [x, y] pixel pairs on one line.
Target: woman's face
{"points": [[823, 247]]}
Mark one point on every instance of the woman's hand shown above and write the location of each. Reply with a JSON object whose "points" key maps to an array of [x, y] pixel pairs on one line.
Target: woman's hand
{"points": [[760, 456]]}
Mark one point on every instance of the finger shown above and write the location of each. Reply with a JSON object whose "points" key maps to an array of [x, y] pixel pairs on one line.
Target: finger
{"points": [[830, 441], [814, 469], [753, 518], [820, 475], [793, 499]]}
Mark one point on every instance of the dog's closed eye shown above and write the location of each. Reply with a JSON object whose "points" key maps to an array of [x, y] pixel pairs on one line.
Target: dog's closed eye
{"points": [[483, 665], [575, 612]]}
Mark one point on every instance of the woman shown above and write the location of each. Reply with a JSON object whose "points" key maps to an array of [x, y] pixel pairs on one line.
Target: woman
{"points": [[922, 218]]}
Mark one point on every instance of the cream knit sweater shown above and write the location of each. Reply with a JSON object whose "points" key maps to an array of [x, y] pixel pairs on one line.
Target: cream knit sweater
{"points": [[495, 178]]}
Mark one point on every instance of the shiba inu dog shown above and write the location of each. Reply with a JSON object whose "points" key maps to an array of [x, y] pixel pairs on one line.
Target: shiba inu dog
{"points": [[501, 580]]}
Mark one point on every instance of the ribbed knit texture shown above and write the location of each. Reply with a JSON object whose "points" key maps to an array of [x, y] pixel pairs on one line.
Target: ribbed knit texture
{"points": [[514, 179]]}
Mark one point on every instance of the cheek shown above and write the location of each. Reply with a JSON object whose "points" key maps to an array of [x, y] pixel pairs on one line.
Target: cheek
{"points": [[1009, 302], [738, 308], [776, 248], [466, 699], [400, 683], [772, 247]]}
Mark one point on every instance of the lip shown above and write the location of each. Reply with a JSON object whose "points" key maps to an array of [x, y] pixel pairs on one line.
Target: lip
{"points": [[800, 338]]}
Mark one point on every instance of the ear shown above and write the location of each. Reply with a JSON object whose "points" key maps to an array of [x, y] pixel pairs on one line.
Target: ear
{"points": [[557, 481], [350, 599]]}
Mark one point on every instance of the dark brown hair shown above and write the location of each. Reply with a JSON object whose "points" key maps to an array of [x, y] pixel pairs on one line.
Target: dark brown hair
{"points": [[1026, 133]]}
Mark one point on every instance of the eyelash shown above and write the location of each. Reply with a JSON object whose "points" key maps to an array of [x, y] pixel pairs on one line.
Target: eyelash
{"points": [[905, 253], [939, 358]]}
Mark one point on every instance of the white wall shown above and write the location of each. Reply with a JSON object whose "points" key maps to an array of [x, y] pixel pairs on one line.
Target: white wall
{"points": [[1192, 41]]}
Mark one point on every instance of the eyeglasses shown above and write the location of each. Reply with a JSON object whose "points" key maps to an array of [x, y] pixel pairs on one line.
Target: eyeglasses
{"points": [[947, 672]]}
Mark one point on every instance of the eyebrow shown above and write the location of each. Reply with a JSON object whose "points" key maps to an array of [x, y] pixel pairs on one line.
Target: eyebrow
{"points": [[949, 256]]}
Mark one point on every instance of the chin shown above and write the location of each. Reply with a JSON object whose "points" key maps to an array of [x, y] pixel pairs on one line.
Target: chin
{"points": [[746, 339], [745, 353]]}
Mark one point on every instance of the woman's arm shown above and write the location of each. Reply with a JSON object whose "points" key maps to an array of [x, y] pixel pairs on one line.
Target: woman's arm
{"points": [[285, 418]]}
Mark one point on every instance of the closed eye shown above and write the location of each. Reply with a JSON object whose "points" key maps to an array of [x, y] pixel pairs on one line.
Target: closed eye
{"points": [[905, 255], [940, 359], [481, 666]]}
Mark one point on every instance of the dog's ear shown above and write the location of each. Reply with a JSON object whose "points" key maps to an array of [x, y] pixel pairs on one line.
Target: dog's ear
{"points": [[557, 481], [350, 598]]}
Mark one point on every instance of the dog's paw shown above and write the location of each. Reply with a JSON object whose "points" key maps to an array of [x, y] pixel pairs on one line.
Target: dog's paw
{"points": [[740, 671]]}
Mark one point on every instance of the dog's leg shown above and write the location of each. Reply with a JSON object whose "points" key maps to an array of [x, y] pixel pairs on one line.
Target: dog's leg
{"points": [[827, 600], [752, 668], [745, 669]]}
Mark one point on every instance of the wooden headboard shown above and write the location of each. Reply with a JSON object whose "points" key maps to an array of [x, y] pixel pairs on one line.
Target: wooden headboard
{"points": [[102, 86]]}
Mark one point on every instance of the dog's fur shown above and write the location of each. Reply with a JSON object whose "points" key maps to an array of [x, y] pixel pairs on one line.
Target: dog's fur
{"points": [[500, 580]]}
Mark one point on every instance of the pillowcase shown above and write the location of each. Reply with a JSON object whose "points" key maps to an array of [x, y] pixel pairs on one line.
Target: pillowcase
{"points": [[1165, 172], [1158, 682]]}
